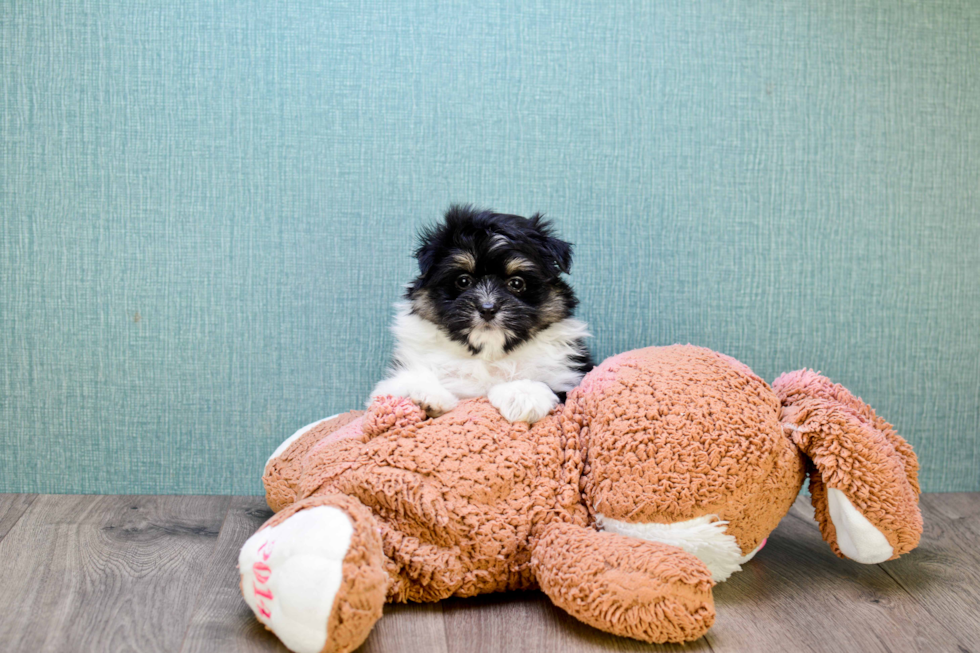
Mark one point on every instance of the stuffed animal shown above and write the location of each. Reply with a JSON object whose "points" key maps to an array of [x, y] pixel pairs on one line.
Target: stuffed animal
{"points": [[662, 473]]}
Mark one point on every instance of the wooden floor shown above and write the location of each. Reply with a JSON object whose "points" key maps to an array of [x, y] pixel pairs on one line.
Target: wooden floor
{"points": [[157, 573]]}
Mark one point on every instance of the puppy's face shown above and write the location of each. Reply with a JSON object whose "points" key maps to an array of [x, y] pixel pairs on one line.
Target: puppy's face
{"points": [[491, 281]]}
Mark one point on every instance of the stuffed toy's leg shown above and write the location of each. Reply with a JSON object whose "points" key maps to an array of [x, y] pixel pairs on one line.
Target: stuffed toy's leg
{"points": [[622, 585], [863, 475], [285, 466], [314, 574]]}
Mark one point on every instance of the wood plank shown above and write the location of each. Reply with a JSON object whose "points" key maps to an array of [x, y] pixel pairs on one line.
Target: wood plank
{"points": [[796, 595], [12, 507], [528, 621], [943, 573], [105, 573], [137, 573], [408, 628], [222, 621]]}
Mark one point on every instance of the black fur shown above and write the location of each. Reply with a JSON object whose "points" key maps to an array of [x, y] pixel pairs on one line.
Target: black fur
{"points": [[489, 241]]}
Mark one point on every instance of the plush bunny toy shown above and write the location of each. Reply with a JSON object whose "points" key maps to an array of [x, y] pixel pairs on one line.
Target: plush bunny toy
{"points": [[663, 472]]}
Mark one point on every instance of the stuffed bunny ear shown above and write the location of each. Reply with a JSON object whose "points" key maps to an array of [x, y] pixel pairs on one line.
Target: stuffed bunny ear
{"points": [[388, 412], [863, 475]]}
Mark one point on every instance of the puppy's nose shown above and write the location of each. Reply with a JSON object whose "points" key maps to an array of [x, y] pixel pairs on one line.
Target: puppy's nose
{"points": [[488, 310]]}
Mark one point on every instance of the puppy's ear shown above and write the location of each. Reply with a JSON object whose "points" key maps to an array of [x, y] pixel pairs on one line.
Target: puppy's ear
{"points": [[561, 252], [426, 257], [554, 249], [425, 253], [432, 239]]}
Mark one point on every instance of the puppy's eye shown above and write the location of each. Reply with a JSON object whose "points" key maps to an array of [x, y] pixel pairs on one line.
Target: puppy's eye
{"points": [[516, 284], [464, 281]]}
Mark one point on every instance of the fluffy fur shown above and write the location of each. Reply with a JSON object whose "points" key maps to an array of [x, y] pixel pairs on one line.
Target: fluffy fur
{"points": [[489, 315]]}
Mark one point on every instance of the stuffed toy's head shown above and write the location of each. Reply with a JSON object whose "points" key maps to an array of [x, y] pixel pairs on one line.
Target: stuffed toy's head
{"points": [[663, 473]]}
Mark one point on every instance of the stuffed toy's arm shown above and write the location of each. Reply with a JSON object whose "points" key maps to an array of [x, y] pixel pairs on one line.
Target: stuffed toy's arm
{"points": [[863, 475], [301, 459], [625, 586]]}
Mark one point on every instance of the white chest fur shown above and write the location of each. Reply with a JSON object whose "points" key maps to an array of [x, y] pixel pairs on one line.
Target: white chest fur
{"points": [[546, 357]]}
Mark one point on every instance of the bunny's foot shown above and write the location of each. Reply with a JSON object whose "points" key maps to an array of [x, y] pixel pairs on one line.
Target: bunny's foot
{"points": [[314, 575]]}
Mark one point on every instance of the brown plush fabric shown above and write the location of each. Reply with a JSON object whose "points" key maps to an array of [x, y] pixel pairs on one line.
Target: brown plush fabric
{"points": [[281, 473], [644, 590], [679, 432], [468, 503], [388, 413], [454, 496], [855, 451]]}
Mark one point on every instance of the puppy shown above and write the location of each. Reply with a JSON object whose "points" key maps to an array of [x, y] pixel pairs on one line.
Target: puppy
{"points": [[489, 315]]}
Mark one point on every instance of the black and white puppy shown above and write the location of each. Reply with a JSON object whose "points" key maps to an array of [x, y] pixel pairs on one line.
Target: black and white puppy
{"points": [[489, 315]]}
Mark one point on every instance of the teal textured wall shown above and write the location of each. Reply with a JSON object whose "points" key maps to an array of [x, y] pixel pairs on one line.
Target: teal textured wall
{"points": [[207, 209]]}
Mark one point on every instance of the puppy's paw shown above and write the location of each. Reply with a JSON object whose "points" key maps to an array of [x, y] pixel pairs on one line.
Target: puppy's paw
{"points": [[422, 388], [434, 401], [522, 401]]}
